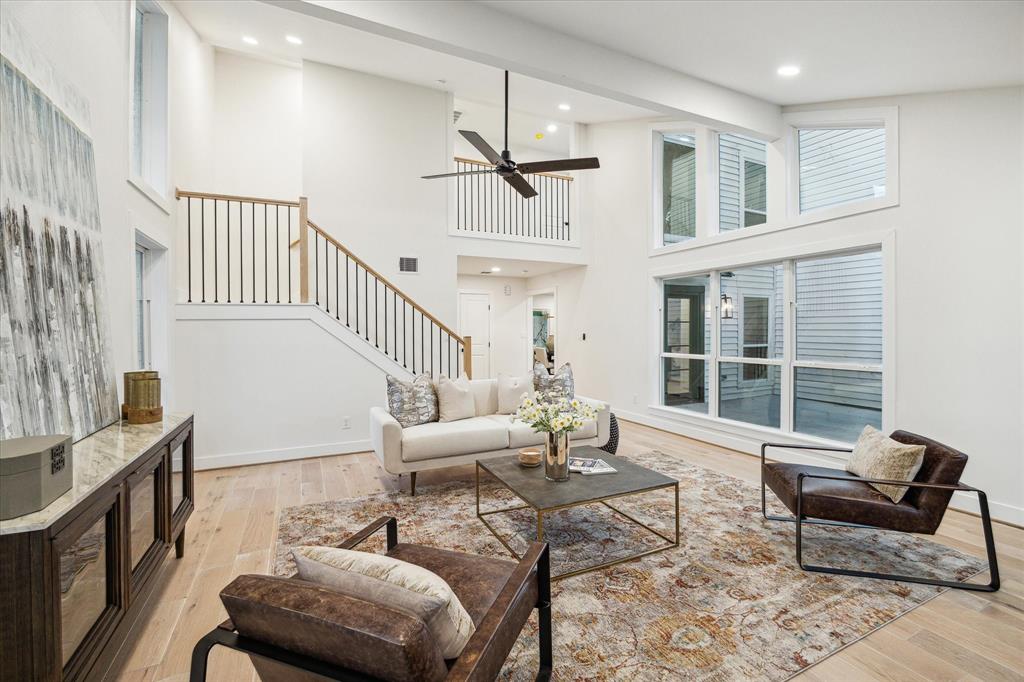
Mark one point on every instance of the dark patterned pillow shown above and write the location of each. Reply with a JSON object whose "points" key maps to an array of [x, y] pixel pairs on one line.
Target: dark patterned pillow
{"points": [[412, 402], [552, 387]]}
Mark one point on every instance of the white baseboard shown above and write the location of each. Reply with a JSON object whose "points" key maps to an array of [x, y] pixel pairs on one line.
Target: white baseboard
{"points": [[237, 459], [751, 445]]}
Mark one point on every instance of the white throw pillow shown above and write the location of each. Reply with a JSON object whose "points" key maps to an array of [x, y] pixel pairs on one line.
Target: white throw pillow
{"points": [[454, 399], [393, 583], [511, 390], [877, 456]]}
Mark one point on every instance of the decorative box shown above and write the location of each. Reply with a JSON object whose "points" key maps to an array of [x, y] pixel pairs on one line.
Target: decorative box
{"points": [[34, 471]]}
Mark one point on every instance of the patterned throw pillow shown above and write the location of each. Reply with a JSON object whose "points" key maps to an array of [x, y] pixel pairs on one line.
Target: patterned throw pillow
{"points": [[412, 402], [877, 456], [552, 387]]}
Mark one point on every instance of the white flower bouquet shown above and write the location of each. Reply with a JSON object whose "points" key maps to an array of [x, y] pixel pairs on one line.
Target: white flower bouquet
{"points": [[556, 419]]}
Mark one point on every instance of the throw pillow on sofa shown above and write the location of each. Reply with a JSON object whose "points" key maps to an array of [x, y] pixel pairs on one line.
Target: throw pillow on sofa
{"points": [[552, 387], [877, 456], [455, 399], [394, 584], [511, 390], [412, 402]]}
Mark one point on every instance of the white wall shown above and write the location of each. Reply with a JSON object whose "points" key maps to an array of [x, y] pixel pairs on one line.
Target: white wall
{"points": [[958, 270], [87, 43], [258, 134], [366, 142], [508, 321]]}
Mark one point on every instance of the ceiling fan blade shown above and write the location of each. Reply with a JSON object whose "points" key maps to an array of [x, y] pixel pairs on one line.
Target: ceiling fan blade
{"points": [[482, 146], [559, 165], [520, 185], [452, 175]]}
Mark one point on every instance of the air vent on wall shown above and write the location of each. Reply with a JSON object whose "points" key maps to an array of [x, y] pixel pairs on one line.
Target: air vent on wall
{"points": [[408, 264], [456, 115]]}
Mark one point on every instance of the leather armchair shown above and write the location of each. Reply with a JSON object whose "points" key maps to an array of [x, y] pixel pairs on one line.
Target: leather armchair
{"points": [[296, 630], [825, 496]]}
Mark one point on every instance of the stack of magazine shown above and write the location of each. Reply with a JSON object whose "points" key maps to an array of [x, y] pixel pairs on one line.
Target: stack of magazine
{"points": [[589, 466]]}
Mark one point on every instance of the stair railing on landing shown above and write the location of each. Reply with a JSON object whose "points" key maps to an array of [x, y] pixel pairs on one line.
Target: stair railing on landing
{"points": [[243, 250]]}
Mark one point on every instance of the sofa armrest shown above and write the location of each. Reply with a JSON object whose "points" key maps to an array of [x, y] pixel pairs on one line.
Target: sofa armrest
{"points": [[386, 438], [604, 417]]}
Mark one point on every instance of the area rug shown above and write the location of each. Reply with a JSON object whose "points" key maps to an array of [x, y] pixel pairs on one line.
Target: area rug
{"points": [[728, 604]]}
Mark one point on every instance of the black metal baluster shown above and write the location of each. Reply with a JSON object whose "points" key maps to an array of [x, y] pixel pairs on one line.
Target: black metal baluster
{"points": [[215, 300], [404, 355], [254, 252], [385, 319], [316, 265], [202, 244], [394, 317], [189, 209], [288, 250], [227, 214], [423, 344], [430, 332], [366, 303], [277, 250], [356, 278], [241, 257], [412, 329], [327, 275], [337, 288], [449, 355], [376, 322]]}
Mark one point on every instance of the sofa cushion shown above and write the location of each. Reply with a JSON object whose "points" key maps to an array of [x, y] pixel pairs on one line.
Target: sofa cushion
{"points": [[447, 439], [521, 435], [511, 390], [454, 399], [485, 396], [412, 402], [393, 583], [553, 387]]}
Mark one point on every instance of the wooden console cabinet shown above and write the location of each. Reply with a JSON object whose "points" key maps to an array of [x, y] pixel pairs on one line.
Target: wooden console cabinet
{"points": [[75, 576]]}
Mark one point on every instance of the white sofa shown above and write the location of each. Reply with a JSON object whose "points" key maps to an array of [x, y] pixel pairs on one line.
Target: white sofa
{"points": [[443, 444]]}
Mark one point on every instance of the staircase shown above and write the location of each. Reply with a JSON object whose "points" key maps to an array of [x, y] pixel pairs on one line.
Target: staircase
{"points": [[267, 251]]}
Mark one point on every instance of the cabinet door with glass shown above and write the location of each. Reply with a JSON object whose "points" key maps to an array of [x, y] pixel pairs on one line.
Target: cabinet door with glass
{"points": [[180, 484], [147, 517]]}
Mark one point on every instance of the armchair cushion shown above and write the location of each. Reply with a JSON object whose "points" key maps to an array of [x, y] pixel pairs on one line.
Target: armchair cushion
{"points": [[392, 583], [319, 622], [476, 580], [877, 456], [849, 501]]}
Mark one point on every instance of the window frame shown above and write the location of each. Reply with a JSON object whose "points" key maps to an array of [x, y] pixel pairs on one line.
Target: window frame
{"points": [[743, 345], [727, 431], [744, 160], [143, 326], [658, 142], [152, 176]]}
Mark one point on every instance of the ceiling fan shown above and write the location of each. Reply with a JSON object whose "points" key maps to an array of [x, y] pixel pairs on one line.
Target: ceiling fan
{"points": [[509, 170]]}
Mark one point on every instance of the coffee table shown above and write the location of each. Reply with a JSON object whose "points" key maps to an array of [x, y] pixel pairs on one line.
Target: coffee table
{"points": [[544, 496]]}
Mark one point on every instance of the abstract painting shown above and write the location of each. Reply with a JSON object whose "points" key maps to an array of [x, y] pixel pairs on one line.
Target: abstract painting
{"points": [[56, 360]]}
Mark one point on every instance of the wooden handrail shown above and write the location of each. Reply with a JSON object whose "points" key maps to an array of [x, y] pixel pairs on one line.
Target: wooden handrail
{"points": [[179, 193], [484, 163], [386, 282]]}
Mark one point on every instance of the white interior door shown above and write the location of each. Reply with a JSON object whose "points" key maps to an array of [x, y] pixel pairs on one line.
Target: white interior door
{"points": [[475, 321]]}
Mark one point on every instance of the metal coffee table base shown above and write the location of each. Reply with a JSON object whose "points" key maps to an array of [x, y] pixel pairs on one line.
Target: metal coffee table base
{"points": [[672, 542]]}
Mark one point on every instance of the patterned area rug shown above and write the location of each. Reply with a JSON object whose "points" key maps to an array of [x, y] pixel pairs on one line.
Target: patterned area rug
{"points": [[728, 604]]}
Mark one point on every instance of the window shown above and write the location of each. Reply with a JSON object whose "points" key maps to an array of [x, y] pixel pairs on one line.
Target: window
{"points": [[149, 98], [840, 165], [678, 187], [685, 334], [742, 195], [828, 383], [143, 343]]}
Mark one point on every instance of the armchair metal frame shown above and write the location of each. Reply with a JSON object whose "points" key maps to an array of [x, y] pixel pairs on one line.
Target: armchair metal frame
{"points": [[799, 519], [469, 664]]}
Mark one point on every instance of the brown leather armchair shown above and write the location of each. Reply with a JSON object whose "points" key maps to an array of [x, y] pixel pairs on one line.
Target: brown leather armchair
{"points": [[836, 497], [297, 630]]}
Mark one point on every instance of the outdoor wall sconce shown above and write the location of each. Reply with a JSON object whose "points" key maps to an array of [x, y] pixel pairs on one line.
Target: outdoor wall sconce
{"points": [[728, 310]]}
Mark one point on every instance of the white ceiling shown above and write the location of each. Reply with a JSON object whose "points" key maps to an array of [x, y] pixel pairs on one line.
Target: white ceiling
{"points": [[477, 265], [845, 49], [222, 23], [488, 120]]}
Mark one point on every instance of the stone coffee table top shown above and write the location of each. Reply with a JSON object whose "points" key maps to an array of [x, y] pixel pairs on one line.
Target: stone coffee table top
{"points": [[543, 495]]}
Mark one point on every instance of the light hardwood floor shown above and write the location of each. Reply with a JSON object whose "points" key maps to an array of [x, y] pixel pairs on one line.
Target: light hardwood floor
{"points": [[957, 636]]}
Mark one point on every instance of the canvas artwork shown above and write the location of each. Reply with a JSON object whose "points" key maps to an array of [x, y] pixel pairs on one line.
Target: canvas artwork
{"points": [[56, 360]]}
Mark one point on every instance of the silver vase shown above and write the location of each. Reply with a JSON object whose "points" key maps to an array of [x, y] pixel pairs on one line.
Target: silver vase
{"points": [[556, 456]]}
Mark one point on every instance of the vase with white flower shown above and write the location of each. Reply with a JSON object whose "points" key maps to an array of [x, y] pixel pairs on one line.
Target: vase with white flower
{"points": [[556, 419]]}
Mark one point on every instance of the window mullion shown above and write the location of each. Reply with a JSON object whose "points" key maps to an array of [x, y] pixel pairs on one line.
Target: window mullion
{"points": [[788, 344]]}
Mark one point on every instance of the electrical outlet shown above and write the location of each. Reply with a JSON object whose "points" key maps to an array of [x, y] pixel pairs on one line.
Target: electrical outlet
{"points": [[346, 422]]}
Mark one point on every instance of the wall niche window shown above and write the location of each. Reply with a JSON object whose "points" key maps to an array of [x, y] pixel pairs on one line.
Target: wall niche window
{"points": [[742, 182], [678, 187], [149, 98], [794, 345]]}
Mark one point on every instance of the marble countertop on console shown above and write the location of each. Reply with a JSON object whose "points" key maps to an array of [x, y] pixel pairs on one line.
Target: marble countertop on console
{"points": [[96, 460]]}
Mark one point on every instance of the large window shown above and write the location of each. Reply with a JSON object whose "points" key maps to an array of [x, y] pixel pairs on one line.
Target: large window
{"points": [[678, 187], [149, 98], [840, 165], [685, 334], [827, 383], [742, 182]]}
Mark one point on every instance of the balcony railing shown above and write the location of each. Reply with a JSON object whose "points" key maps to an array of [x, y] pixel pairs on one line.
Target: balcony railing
{"points": [[486, 204]]}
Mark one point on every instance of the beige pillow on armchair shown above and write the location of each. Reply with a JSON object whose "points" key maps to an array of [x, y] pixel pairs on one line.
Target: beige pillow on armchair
{"points": [[877, 456]]}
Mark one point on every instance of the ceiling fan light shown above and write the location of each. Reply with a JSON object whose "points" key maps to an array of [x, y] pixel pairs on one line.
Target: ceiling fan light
{"points": [[552, 128]]}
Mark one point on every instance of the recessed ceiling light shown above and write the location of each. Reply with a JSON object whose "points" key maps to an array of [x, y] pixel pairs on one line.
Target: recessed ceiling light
{"points": [[495, 269], [250, 40], [552, 128], [294, 40], [564, 107], [788, 70]]}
